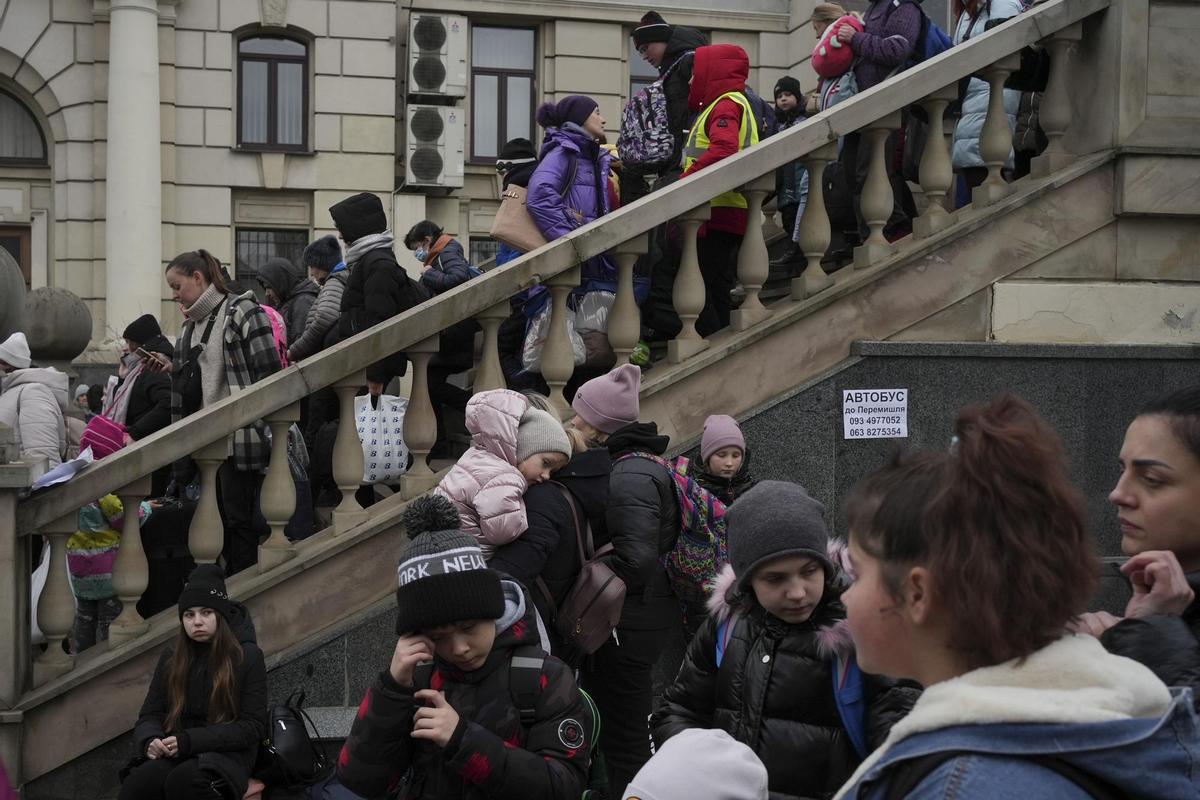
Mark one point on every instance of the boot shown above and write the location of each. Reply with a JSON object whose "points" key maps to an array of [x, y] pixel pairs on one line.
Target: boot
{"points": [[790, 256]]}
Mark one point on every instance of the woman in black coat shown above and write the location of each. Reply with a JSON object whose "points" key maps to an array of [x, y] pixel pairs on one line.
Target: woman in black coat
{"points": [[206, 711], [548, 550], [140, 396]]}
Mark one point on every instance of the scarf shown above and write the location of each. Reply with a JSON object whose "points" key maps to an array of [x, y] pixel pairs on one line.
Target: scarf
{"points": [[205, 304], [438, 247], [116, 396], [363, 245]]}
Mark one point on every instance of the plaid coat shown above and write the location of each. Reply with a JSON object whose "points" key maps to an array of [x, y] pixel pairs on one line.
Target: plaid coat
{"points": [[250, 356]]}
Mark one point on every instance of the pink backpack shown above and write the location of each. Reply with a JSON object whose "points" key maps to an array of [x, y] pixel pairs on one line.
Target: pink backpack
{"points": [[279, 332], [831, 58]]}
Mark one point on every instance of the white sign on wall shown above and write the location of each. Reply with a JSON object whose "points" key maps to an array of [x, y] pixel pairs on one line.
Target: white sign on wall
{"points": [[875, 413]]}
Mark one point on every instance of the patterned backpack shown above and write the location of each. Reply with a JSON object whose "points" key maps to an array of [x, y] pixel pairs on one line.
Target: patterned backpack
{"points": [[702, 548], [646, 137]]}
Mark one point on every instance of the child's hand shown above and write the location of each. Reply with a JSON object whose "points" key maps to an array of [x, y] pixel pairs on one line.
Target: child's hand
{"points": [[437, 724], [845, 32], [410, 651]]}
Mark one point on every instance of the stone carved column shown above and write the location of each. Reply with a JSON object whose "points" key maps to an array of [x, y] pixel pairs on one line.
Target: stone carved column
{"points": [[689, 292], [489, 374], [753, 265], [278, 499], [995, 140], [814, 226], [347, 456], [625, 320], [131, 572], [936, 170], [206, 535], [420, 426], [877, 197], [1055, 112], [56, 606], [558, 356]]}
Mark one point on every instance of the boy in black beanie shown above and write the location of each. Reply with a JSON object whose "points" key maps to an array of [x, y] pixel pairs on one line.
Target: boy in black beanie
{"points": [[444, 717]]}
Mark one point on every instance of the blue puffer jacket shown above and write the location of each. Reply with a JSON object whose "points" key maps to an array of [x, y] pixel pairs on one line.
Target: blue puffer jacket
{"points": [[975, 102], [1106, 716], [552, 209]]}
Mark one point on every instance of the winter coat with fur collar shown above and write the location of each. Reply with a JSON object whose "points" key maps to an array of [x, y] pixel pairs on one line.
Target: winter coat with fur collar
{"points": [[774, 692]]}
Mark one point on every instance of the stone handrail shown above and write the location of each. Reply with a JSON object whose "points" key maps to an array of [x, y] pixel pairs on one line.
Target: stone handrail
{"points": [[874, 114]]}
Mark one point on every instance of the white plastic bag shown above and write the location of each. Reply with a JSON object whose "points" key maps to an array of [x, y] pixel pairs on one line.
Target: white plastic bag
{"points": [[535, 338], [591, 313], [381, 431]]}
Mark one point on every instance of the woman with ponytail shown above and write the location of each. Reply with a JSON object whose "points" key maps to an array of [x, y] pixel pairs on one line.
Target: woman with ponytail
{"points": [[226, 345], [970, 565], [569, 187], [198, 732]]}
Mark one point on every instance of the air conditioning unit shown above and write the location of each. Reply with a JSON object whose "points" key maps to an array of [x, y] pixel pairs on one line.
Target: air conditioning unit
{"points": [[437, 55], [435, 146]]}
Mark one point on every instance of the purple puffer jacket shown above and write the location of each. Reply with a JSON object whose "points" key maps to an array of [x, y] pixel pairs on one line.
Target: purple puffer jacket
{"points": [[890, 32], [485, 485], [588, 195]]}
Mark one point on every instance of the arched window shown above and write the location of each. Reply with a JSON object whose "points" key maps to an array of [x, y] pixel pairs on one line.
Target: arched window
{"points": [[272, 93], [21, 139]]}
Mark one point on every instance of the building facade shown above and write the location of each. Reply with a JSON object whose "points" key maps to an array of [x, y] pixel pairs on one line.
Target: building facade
{"points": [[132, 130]]}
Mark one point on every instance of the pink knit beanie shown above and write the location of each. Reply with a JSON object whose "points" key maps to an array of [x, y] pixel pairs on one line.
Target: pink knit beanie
{"points": [[720, 430], [610, 402]]}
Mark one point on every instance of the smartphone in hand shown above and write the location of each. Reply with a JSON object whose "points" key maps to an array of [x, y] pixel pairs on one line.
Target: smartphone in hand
{"points": [[423, 676]]}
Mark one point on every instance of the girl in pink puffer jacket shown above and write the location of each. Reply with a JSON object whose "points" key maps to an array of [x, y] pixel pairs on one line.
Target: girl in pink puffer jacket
{"points": [[513, 445]]}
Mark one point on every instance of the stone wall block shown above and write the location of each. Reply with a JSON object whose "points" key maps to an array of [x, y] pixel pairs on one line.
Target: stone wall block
{"points": [[361, 20]]}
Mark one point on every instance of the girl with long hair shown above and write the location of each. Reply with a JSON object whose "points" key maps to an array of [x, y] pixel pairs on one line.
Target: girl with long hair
{"points": [[206, 711], [971, 563]]}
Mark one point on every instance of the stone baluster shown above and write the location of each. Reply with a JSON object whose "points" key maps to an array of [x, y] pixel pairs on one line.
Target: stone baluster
{"points": [[348, 456], [206, 535], [689, 292], [995, 140], [278, 498], [489, 374], [420, 426], [624, 319], [1054, 114], [131, 572], [56, 606], [558, 356], [877, 197], [936, 169], [15, 658], [753, 265], [814, 225]]}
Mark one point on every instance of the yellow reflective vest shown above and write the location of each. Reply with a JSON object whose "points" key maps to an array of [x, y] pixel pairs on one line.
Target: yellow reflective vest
{"points": [[697, 144]]}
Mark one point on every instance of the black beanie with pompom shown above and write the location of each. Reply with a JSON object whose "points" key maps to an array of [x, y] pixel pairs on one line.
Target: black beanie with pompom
{"points": [[442, 576]]}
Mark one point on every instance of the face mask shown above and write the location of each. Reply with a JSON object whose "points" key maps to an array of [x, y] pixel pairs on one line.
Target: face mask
{"points": [[130, 360], [420, 254]]}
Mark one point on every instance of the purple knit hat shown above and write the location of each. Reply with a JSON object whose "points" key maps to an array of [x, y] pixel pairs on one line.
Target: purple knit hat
{"points": [[720, 430], [610, 402], [572, 108]]}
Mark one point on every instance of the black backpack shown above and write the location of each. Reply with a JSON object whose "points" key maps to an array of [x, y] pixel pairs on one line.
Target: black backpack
{"points": [[287, 758], [907, 776]]}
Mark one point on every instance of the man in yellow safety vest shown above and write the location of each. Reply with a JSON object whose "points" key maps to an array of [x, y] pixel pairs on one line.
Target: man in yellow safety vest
{"points": [[725, 126]]}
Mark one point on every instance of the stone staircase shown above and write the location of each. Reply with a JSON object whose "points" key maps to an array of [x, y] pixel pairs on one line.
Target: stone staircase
{"points": [[321, 605]]}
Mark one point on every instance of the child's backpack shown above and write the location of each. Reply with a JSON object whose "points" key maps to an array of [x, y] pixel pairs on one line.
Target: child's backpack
{"points": [[764, 113], [832, 57], [646, 138], [525, 685], [702, 548], [931, 41], [278, 332], [848, 694]]}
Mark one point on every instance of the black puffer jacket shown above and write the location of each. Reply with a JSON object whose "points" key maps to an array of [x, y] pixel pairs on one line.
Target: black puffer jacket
{"points": [[678, 53], [227, 749], [149, 407], [774, 692], [726, 489], [377, 290], [548, 548], [296, 293], [642, 522], [1168, 645]]}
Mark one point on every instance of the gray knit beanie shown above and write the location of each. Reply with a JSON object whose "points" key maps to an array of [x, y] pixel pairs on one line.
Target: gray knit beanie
{"points": [[772, 520], [540, 432]]}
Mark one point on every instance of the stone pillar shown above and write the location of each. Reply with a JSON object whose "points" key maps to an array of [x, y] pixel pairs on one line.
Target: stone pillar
{"points": [[133, 189]]}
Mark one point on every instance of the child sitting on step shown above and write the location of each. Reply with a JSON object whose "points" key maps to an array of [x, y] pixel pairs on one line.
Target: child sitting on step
{"points": [[774, 664], [471, 705]]}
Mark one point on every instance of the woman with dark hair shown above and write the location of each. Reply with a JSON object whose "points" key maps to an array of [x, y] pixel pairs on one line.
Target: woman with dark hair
{"points": [[970, 564], [226, 345], [1156, 498], [198, 733]]}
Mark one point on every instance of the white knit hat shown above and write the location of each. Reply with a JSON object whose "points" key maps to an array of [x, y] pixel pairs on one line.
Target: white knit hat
{"points": [[700, 764], [15, 351]]}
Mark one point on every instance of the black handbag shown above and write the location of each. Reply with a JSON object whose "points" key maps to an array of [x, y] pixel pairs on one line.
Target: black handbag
{"points": [[287, 757]]}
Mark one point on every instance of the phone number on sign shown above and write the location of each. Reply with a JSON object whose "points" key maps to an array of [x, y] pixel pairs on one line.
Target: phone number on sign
{"points": [[888, 420], [862, 433]]}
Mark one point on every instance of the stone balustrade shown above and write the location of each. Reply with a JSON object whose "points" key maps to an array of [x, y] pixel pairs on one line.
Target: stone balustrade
{"points": [[872, 116]]}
